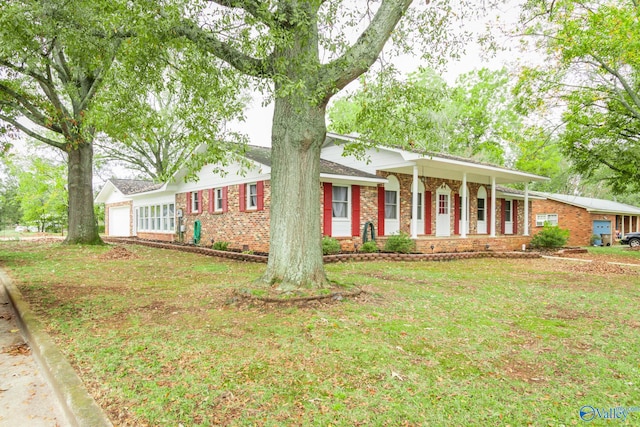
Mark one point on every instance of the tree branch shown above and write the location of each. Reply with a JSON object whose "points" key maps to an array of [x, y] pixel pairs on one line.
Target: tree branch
{"points": [[363, 53], [31, 132], [627, 87], [27, 109], [207, 41]]}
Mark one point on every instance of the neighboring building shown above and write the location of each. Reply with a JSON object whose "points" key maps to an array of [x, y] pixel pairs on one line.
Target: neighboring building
{"points": [[585, 216], [445, 203]]}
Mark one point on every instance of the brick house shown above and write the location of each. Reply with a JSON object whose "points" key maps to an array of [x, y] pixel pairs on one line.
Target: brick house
{"points": [[585, 216], [445, 203]]}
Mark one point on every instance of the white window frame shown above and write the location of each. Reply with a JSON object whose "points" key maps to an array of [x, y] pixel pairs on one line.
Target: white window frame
{"points": [[195, 202], [508, 208], [157, 218], [541, 219], [218, 199], [346, 202], [250, 205]]}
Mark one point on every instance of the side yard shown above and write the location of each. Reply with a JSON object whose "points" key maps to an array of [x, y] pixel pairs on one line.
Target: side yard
{"points": [[160, 338]]}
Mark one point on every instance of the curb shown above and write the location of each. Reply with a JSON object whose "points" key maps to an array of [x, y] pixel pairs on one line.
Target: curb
{"points": [[78, 406]]}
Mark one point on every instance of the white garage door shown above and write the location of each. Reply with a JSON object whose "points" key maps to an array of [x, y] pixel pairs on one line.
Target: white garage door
{"points": [[119, 221]]}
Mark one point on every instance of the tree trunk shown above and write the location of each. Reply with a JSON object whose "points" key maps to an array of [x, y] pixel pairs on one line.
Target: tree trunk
{"points": [[83, 228], [295, 248]]}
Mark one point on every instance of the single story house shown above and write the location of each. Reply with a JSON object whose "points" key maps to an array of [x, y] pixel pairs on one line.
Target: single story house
{"points": [[446, 203], [585, 216]]}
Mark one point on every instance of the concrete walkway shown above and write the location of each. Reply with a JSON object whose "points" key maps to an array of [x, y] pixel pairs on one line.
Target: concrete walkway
{"points": [[38, 386]]}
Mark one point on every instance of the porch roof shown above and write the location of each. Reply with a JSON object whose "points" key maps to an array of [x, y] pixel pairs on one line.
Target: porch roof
{"points": [[443, 166]]}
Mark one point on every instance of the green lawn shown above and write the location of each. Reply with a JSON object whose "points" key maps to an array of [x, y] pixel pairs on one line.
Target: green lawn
{"points": [[160, 339]]}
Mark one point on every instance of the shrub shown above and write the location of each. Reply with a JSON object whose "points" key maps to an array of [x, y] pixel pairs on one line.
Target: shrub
{"points": [[221, 246], [369, 247], [551, 236], [330, 246], [400, 243], [595, 238]]}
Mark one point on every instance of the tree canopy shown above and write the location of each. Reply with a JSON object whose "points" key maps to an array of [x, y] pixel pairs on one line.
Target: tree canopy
{"points": [[592, 71]]}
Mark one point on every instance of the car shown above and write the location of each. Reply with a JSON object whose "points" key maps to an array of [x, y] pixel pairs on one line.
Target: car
{"points": [[632, 239], [21, 229]]}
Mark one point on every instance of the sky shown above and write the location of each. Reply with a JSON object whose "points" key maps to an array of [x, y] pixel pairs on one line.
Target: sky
{"points": [[258, 117]]}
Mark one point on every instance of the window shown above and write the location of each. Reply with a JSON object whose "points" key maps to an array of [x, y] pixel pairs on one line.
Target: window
{"points": [[218, 200], [340, 202], [481, 210], [195, 202], [419, 207], [541, 219], [390, 204], [443, 204], [156, 217], [252, 196], [507, 211]]}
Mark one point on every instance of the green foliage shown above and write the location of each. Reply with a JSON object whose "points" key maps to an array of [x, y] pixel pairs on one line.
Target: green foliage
{"points": [[474, 118], [41, 192], [221, 246], [592, 68], [400, 243], [551, 236], [594, 238], [330, 245], [369, 247]]}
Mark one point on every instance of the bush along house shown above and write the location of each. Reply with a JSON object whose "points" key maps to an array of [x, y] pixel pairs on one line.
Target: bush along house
{"points": [[445, 203]]}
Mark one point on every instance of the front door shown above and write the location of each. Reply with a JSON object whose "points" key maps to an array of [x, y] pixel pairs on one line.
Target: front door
{"points": [[482, 211], [508, 217], [443, 216]]}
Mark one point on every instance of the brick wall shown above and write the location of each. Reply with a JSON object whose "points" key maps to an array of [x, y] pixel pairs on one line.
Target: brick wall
{"points": [[248, 230], [577, 220]]}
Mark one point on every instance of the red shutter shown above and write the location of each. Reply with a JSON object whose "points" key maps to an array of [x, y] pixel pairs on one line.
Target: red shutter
{"points": [[456, 213], [488, 215], [427, 212], [188, 197], [225, 204], [355, 210], [503, 216], [514, 212], [211, 204], [260, 191], [200, 202], [327, 208], [381, 211], [241, 197]]}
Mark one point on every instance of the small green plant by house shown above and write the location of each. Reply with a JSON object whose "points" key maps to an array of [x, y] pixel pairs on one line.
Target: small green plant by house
{"points": [[369, 247], [221, 246], [551, 236], [400, 243], [330, 246]]}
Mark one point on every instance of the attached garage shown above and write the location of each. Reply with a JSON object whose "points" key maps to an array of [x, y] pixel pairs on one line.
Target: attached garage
{"points": [[119, 221]]}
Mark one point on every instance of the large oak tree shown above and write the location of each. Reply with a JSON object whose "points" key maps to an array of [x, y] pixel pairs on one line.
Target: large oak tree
{"points": [[54, 58], [302, 53]]}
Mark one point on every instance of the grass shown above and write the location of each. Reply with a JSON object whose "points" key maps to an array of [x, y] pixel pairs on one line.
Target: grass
{"points": [[160, 340]]}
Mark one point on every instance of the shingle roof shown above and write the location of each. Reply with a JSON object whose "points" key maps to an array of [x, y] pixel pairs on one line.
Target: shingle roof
{"points": [[591, 204], [133, 186], [263, 155]]}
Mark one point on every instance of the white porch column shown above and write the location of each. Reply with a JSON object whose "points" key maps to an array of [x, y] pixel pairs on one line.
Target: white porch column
{"points": [[622, 229], [463, 194], [638, 223], [526, 209], [493, 207], [414, 204]]}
